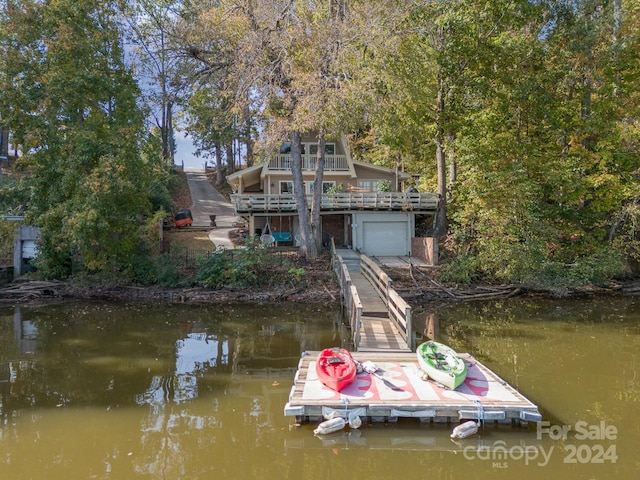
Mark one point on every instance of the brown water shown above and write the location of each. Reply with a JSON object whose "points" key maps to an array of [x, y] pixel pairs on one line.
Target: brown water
{"points": [[125, 392]]}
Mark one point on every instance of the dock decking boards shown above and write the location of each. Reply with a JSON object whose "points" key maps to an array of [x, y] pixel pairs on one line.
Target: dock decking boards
{"points": [[380, 335], [372, 304], [484, 395]]}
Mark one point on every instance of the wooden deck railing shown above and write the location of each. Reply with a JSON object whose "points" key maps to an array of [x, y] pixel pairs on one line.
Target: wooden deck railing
{"points": [[332, 163], [350, 298], [399, 309], [355, 316], [258, 202]]}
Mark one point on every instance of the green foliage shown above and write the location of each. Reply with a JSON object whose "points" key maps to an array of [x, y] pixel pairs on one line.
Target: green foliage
{"points": [[243, 268], [14, 195], [160, 197], [76, 117], [461, 269], [7, 240], [384, 186], [597, 269], [163, 270], [336, 188], [160, 182], [296, 273], [625, 232]]}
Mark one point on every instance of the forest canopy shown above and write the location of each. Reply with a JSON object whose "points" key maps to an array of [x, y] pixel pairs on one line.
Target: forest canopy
{"points": [[522, 115]]}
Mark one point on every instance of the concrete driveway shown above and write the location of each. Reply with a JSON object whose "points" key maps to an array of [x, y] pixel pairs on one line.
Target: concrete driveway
{"points": [[208, 201]]}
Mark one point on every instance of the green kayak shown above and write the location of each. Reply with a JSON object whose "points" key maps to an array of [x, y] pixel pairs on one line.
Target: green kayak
{"points": [[442, 364]]}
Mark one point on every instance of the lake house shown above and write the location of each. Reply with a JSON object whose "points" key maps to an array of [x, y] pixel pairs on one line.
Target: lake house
{"points": [[364, 207]]}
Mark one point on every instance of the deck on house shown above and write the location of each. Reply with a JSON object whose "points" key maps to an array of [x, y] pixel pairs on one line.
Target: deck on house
{"points": [[483, 395]]}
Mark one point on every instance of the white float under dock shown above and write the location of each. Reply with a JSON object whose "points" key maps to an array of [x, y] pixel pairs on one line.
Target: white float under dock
{"points": [[483, 395]]}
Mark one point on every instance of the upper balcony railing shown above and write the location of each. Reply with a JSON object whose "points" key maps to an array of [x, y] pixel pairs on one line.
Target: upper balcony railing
{"points": [[332, 163], [408, 201]]}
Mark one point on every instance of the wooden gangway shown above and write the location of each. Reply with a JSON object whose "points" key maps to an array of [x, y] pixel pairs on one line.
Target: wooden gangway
{"points": [[379, 318]]}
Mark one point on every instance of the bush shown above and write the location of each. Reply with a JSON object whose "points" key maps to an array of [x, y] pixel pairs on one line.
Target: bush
{"points": [[243, 268], [7, 240], [160, 197]]}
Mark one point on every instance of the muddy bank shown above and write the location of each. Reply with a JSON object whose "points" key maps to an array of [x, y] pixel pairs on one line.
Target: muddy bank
{"points": [[26, 291], [320, 287]]}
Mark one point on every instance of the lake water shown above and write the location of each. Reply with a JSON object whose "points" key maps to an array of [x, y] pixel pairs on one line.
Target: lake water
{"points": [[182, 392]]}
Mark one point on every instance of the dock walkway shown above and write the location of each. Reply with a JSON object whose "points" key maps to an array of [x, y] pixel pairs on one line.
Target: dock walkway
{"points": [[381, 328], [377, 332]]}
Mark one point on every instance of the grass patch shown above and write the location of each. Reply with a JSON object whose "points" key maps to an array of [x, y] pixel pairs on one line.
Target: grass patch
{"points": [[188, 239]]}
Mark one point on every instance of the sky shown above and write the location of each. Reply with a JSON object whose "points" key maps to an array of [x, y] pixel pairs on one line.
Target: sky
{"points": [[185, 152]]}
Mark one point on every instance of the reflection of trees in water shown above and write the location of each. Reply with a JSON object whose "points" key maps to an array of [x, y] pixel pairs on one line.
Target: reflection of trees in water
{"points": [[206, 376], [236, 417]]}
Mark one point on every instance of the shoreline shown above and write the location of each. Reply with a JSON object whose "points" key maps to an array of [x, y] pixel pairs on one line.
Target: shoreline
{"points": [[29, 291]]}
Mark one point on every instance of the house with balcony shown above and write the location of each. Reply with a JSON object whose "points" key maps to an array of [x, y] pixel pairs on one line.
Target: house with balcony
{"points": [[363, 207]]}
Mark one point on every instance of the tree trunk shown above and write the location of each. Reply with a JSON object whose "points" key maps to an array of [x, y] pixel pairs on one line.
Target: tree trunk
{"points": [[617, 22], [219, 174], [170, 137], [316, 227], [308, 247], [250, 156], [230, 159], [453, 164], [441, 215]]}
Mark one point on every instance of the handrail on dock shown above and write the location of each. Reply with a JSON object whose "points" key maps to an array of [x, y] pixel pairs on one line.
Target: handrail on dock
{"points": [[355, 316], [380, 280], [400, 314], [399, 309], [350, 298]]}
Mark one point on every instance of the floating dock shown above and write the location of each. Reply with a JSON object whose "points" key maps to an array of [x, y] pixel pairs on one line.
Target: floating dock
{"points": [[398, 391]]}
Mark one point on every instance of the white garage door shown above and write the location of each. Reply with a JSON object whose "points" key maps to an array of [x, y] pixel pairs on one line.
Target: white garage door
{"points": [[385, 239], [29, 249]]}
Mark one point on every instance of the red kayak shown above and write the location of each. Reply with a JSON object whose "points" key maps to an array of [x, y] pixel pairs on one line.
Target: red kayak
{"points": [[336, 368]]}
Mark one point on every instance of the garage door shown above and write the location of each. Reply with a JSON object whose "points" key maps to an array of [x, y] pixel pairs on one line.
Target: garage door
{"points": [[385, 239], [29, 249]]}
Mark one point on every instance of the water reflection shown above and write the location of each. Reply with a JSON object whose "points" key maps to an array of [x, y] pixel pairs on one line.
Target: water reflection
{"points": [[195, 354], [124, 391]]}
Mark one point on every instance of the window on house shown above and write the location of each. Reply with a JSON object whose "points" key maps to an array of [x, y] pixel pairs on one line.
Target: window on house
{"points": [[285, 148], [286, 187], [368, 184], [329, 148], [326, 186]]}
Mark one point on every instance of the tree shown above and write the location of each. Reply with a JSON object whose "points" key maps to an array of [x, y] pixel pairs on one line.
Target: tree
{"points": [[294, 59], [161, 71], [72, 105], [209, 122]]}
